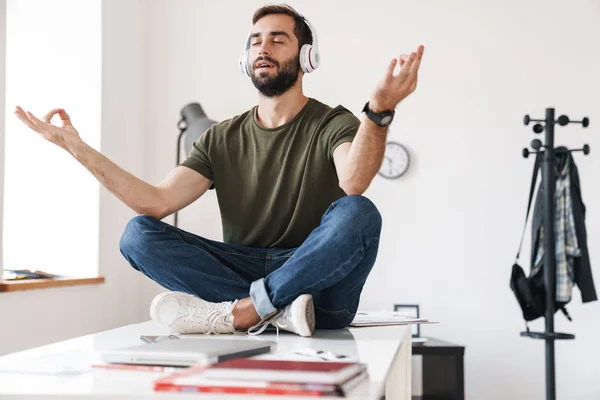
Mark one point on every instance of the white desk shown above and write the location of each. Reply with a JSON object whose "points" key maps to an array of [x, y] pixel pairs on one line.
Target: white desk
{"points": [[385, 350]]}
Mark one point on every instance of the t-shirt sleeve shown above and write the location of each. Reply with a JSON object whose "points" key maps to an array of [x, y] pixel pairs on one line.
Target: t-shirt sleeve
{"points": [[340, 127], [199, 159]]}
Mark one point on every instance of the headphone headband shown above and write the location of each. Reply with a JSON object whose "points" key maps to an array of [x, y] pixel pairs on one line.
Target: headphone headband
{"points": [[313, 32]]}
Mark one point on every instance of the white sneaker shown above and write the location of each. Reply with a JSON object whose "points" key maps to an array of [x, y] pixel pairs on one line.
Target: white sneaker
{"points": [[184, 313], [297, 317]]}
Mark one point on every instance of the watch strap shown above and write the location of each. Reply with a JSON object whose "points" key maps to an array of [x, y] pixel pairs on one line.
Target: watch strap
{"points": [[382, 119]]}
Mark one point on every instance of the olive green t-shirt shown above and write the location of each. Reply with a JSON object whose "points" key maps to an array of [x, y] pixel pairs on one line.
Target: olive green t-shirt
{"points": [[274, 185]]}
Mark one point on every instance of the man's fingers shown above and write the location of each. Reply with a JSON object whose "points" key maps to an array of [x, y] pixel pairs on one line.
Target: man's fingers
{"points": [[403, 59], [23, 117], [390, 70], [40, 124], [414, 70], [397, 86], [410, 69], [405, 69], [408, 64], [50, 114], [64, 117]]}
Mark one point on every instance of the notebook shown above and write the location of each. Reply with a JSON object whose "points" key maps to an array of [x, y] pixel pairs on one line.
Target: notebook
{"points": [[187, 352]]}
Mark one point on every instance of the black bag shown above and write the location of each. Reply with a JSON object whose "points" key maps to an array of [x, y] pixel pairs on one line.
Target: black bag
{"points": [[530, 291], [530, 299]]}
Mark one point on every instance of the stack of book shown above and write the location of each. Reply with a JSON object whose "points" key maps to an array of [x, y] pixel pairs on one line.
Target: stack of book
{"points": [[277, 377]]}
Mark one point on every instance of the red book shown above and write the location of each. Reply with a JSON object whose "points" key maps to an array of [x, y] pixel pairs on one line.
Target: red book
{"points": [[284, 371], [195, 379]]}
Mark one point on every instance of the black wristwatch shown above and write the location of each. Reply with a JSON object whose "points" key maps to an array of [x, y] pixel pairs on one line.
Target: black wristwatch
{"points": [[382, 119]]}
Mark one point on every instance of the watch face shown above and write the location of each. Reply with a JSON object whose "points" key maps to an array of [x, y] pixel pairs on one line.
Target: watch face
{"points": [[396, 160], [386, 120]]}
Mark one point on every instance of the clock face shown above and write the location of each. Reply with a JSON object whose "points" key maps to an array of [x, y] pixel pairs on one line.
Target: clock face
{"points": [[395, 161]]}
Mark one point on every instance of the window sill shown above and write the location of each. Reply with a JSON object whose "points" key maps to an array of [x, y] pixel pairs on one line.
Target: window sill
{"points": [[29, 284]]}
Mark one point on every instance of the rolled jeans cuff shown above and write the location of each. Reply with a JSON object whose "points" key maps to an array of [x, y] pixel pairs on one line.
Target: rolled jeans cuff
{"points": [[260, 299]]}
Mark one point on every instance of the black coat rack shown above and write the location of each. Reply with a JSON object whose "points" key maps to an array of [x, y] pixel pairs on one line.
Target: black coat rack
{"points": [[549, 185]]}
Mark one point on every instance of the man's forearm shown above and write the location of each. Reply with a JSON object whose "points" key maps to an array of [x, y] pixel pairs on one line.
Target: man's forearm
{"points": [[364, 157], [140, 196], [366, 151]]}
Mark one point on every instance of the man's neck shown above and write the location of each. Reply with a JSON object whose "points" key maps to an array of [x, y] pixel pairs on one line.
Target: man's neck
{"points": [[276, 111]]}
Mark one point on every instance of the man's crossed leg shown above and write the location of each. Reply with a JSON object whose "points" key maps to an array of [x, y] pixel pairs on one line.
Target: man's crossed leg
{"points": [[222, 288]]}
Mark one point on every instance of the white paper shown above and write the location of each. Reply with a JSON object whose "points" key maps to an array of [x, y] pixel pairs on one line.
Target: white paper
{"points": [[307, 354], [375, 318]]}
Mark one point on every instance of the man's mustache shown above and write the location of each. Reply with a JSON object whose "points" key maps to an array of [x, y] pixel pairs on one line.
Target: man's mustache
{"points": [[267, 59]]}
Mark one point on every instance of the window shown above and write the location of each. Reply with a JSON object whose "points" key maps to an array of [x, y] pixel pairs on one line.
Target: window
{"points": [[51, 202]]}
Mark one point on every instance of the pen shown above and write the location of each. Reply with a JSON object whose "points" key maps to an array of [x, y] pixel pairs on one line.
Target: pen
{"points": [[320, 354]]}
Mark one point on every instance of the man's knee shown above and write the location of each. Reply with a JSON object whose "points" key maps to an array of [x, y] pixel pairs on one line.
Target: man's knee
{"points": [[332, 319], [134, 238], [361, 211]]}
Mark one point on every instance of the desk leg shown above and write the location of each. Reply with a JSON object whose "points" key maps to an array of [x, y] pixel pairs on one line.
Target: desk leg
{"points": [[398, 382], [443, 377]]}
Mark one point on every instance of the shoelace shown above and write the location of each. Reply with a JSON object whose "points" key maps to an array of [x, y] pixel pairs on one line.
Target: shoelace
{"points": [[262, 325], [214, 319], [282, 317]]}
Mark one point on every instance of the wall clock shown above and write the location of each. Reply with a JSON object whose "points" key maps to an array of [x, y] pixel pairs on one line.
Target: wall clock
{"points": [[395, 161]]}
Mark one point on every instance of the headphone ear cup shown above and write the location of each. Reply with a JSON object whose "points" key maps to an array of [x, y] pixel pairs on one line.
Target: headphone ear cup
{"points": [[303, 58], [314, 57], [244, 65], [241, 63], [309, 58], [248, 65]]}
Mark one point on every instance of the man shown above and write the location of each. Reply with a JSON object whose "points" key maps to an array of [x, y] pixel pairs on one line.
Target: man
{"points": [[299, 239]]}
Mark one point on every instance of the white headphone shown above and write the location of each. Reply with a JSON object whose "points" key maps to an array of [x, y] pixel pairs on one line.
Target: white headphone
{"points": [[309, 56]]}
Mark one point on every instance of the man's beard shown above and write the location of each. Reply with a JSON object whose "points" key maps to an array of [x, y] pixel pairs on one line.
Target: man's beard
{"points": [[284, 78]]}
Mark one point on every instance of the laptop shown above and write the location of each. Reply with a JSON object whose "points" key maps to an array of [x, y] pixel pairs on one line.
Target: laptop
{"points": [[187, 352]]}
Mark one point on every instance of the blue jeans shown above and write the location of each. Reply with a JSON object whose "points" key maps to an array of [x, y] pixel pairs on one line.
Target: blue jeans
{"points": [[332, 264]]}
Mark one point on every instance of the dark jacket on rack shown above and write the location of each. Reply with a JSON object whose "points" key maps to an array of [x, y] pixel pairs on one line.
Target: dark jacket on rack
{"points": [[581, 265]]}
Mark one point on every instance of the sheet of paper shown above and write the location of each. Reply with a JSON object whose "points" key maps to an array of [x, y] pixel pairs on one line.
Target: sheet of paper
{"points": [[308, 354], [375, 318]]}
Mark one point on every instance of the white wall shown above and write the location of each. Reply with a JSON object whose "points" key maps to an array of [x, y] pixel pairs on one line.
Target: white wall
{"points": [[452, 224], [33, 318]]}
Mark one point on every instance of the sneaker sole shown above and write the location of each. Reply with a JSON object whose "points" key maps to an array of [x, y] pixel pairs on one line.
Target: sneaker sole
{"points": [[155, 302], [306, 304]]}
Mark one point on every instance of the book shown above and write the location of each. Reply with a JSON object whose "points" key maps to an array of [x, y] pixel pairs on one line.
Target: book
{"points": [[284, 370], [381, 318], [17, 274], [194, 379]]}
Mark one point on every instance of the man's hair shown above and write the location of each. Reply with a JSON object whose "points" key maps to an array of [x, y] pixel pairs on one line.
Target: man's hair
{"points": [[301, 29]]}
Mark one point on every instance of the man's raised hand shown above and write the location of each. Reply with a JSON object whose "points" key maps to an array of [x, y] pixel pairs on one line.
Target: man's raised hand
{"points": [[392, 89], [63, 136]]}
